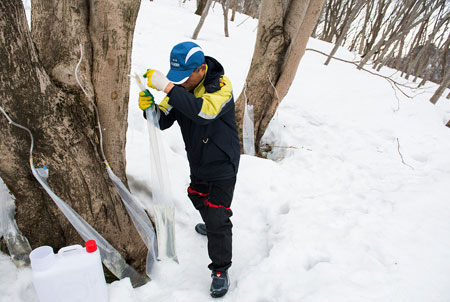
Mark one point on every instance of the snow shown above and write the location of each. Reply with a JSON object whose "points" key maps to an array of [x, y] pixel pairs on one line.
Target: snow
{"points": [[352, 204]]}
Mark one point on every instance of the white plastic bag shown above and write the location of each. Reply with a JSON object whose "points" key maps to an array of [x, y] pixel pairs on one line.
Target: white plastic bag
{"points": [[162, 208], [140, 220], [248, 130]]}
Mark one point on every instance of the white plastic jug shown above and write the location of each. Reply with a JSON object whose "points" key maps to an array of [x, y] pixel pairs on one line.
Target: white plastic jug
{"points": [[75, 274]]}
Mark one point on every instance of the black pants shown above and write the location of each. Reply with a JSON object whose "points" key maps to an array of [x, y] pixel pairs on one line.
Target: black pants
{"points": [[213, 200]]}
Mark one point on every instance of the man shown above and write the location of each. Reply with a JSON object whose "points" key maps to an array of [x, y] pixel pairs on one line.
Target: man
{"points": [[200, 98]]}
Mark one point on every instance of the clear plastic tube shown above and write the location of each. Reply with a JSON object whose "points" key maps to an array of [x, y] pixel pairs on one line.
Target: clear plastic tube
{"points": [[110, 256], [140, 219]]}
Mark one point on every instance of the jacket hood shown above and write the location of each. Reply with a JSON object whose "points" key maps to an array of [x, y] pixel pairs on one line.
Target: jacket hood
{"points": [[213, 75]]}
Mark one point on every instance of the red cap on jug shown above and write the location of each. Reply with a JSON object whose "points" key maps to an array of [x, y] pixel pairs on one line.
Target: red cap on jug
{"points": [[91, 246]]}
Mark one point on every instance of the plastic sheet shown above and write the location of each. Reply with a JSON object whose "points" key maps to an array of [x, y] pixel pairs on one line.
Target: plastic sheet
{"points": [[110, 256], [138, 215], [162, 208], [140, 219], [248, 130], [17, 244]]}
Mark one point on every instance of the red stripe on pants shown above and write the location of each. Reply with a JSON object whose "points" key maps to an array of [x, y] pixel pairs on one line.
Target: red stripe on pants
{"points": [[196, 192], [207, 203]]}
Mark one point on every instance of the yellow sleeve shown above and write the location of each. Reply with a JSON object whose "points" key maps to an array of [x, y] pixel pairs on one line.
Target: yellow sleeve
{"points": [[213, 103], [164, 105]]}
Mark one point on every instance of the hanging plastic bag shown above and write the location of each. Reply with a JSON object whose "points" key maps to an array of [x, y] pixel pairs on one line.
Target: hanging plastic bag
{"points": [[17, 244], [162, 208], [248, 130], [140, 220]]}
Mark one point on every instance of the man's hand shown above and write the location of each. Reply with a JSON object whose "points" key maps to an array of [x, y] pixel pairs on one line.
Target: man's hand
{"points": [[146, 100], [156, 80]]}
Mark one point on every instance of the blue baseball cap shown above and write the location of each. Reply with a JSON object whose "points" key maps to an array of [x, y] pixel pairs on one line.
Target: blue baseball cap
{"points": [[184, 58]]}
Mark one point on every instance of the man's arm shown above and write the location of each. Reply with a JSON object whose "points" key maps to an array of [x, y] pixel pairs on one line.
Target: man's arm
{"points": [[205, 109], [166, 118]]}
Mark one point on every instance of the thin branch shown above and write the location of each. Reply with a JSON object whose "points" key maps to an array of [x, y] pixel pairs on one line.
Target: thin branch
{"points": [[401, 156], [243, 21], [267, 147], [391, 81]]}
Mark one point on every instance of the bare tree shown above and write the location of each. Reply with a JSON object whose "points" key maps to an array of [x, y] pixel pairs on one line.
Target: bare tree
{"points": [[334, 11], [200, 7], [283, 31], [39, 91], [353, 10], [234, 8], [375, 27], [411, 36], [202, 20], [444, 84], [405, 17], [225, 7], [251, 7]]}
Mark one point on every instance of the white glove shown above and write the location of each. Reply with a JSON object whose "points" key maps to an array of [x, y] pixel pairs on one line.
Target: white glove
{"points": [[156, 79]]}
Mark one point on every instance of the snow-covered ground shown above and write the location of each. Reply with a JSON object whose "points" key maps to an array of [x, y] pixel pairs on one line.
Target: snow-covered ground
{"points": [[353, 205]]}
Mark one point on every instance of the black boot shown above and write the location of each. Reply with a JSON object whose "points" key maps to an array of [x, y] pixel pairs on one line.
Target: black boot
{"points": [[219, 284], [201, 229]]}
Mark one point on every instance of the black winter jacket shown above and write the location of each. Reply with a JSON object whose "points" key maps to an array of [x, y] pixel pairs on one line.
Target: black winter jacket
{"points": [[206, 117]]}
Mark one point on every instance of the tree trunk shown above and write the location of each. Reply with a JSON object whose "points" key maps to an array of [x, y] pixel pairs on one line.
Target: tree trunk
{"points": [[280, 44], [234, 7], [251, 7], [202, 20], [345, 27], [375, 29], [200, 7], [40, 93], [409, 17], [444, 84], [369, 8], [225, 7]]}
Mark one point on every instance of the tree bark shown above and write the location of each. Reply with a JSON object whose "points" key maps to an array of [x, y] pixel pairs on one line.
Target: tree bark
{"points": [[234, 7], [107, 41], [225, 7], [444, 84], [251, 7], [202, 20], [200, 7], [40, 93], [283, 32]]}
